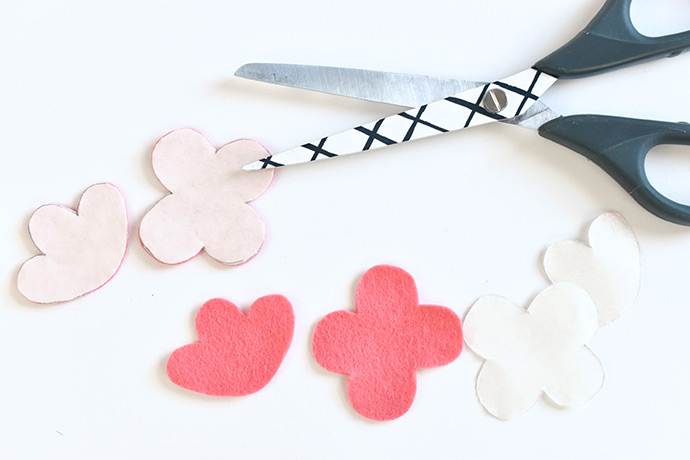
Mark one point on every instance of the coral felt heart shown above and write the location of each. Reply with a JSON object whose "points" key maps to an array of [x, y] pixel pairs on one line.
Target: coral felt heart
{"points": [[82, 249], [237, 354]]}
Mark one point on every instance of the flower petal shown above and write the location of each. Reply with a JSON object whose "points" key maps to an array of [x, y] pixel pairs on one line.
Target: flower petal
{"points": [[180, 157], [381, 392], [246, 185], [166, 233], [493, 325], [436, 336], [386, 291], [577, 380], [236, 237], [506, 392], [335, 344]]}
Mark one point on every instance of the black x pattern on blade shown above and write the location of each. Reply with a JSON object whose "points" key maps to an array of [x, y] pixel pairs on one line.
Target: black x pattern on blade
{"points": [[417, 119], [374, 135], [268, 162], [526, 94], [319, 150]]}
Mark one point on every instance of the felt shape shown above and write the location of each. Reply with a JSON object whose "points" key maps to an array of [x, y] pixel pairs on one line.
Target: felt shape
{"points": [[534, 351], [207, 207], [608, 269], [81, 250], [237, 354], [381, 345]]}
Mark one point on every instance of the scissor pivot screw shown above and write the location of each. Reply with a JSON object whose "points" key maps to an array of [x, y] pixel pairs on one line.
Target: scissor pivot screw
{"points": [[495, 101]]}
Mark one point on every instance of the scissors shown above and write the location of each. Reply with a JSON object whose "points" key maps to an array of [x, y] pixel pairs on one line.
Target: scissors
{"points": [[618, 145]]}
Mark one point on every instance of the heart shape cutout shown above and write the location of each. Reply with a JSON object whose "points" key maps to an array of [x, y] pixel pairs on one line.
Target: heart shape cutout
{"points": [[608, 268], [82, 249], [237, 354]]}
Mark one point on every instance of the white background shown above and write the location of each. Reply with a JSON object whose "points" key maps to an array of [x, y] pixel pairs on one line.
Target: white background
{"points": [[86, 89]]}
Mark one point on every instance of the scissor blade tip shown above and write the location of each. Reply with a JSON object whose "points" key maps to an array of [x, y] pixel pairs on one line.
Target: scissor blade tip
{"points": [[254, 166], [241, 70]]}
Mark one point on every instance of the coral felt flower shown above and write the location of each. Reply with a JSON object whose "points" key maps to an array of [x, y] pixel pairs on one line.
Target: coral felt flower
{"points": [[207, 207], [381, 345]]}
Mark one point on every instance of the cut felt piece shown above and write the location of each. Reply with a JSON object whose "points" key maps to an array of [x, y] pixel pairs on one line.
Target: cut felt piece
{"points": [[534, 351], [237, 354], [207, 204], [608, 268], [382, 344], [81, 250]]}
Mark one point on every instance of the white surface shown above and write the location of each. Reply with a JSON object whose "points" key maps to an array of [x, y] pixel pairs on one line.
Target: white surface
{"points": [[86, 90]]}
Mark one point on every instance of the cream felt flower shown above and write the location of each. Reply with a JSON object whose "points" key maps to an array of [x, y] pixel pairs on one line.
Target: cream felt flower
{"points": [[535, 351]]}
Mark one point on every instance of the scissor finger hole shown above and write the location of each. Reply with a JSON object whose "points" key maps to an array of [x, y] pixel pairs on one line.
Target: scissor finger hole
{"points": [[668, 170], [657, 18]]}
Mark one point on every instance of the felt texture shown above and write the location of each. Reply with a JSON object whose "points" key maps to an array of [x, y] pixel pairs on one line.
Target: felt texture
{"points": [[381, 345], [237, 354], [81, 250], [207, 207], [534, 351], [608, 269]]}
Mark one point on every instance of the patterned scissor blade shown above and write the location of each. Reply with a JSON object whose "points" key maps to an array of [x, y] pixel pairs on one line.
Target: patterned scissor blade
{"points": [[388, 87], [453, 113]]}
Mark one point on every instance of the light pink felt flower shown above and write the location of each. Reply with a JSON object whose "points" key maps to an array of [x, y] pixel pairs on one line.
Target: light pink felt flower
{"points": [[207, 204]]}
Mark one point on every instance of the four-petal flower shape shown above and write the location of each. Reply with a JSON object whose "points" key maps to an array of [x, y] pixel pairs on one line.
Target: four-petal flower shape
{"points": [[381, 345], [207, 207], [535, 351]]}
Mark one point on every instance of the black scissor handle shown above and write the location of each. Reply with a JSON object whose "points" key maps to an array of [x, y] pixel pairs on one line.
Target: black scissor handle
{"points": [[619, 146], [608, 42]]}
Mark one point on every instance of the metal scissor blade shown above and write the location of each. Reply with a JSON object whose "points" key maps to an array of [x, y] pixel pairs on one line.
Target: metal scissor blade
{"points": [[390, 88], [497, 101], [534, 117]]}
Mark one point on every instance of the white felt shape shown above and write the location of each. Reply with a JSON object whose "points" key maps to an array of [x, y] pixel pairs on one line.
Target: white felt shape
{"points": [[534, 351], [608, 269], [207, 207], [82, 250]]}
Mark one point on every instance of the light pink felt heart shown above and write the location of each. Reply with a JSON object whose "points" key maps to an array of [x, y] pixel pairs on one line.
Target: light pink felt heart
{"points": [[237, 354], [82, 249]]}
